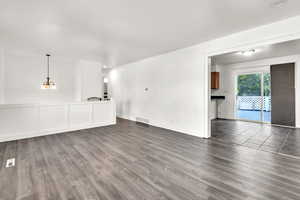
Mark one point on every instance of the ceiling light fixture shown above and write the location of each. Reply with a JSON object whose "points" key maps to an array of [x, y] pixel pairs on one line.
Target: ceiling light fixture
{"points": [[105, 80], [278, 3], [48, 84], [248, 52]]}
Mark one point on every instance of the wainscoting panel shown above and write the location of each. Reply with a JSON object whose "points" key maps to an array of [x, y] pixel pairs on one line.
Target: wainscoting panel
{"points": [[32, 120], [80, 115], [103, 113], [53, 118], [18, 120]]}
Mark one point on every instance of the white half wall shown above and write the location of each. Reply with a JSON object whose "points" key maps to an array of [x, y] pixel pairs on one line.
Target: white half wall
{"points": [[18, 121], [178, 88]]}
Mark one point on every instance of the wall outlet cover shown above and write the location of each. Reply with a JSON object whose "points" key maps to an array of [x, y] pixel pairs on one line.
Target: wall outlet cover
{"points": [[10, 163]]}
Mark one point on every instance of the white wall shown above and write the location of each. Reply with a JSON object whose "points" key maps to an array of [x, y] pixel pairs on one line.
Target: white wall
{"points": [[24, 75], [21, 76], [178, 95], [174, 86], [213, 109], [89, 78]]}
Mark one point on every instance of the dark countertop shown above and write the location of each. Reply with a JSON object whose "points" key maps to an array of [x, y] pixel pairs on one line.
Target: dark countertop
{"points": [[217, 97]]}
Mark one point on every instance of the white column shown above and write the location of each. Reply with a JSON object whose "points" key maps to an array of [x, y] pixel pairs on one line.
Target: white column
{"points": [[2, 98]]}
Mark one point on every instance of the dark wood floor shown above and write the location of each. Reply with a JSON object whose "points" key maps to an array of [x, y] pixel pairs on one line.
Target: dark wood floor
{"points": [[128, 161], [257, 136]]}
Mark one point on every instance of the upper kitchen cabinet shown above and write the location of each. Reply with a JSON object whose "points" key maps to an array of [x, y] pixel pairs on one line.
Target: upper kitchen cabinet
{"points": [[215, 80]]}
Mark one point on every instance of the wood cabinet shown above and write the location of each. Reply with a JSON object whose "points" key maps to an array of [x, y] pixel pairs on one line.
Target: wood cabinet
{"points": [[215, 80]]}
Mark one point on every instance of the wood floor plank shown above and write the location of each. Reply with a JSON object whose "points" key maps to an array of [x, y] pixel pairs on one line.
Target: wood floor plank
{"points": [[132, 162], [8, 176]]}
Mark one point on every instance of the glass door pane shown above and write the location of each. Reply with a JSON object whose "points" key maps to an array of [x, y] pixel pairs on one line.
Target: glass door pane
{"points": [[267, 98], [249, 97]]}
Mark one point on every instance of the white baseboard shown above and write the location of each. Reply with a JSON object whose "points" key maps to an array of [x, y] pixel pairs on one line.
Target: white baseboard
{"points": [[165, 126], [5, 138]]}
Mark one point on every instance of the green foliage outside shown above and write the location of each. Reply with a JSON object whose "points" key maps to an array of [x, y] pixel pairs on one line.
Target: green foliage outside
{"points": [[250, 85]]}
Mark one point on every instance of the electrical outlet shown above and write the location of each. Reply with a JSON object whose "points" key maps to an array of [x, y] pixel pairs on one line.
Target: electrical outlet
{"points": [[10, 162]]}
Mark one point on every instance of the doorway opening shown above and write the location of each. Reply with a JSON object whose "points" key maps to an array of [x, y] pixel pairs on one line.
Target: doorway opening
{"points": [[253, 97], [260, 86]]}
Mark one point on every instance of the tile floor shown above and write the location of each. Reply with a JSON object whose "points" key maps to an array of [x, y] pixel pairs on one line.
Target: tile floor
{"points": [[257, 136]]}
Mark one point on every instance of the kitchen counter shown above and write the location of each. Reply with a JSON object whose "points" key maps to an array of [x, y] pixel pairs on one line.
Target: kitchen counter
{"points": [[217, 97], [214, 108]]}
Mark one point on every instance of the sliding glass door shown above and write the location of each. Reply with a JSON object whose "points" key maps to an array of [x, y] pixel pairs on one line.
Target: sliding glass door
{"points": [[266, 98], [253, 101]]}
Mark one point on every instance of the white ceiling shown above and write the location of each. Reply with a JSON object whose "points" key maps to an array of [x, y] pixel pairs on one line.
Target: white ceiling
{"points": [[121, 31], [263, 52]]}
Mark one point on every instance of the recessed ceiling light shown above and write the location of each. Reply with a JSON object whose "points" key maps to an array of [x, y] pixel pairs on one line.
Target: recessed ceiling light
{"points": [[107, 67], [248, 52]]}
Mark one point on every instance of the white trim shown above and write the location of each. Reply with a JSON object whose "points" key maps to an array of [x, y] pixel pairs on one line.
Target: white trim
{"points": [[18, 136], [262, 87], [280, 31], [2, 76], [207, 93], [164, 126], [265, 62]]}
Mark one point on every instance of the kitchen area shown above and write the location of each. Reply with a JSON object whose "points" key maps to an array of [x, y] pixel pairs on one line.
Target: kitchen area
{"points": [[254, 98], [217, 96]]}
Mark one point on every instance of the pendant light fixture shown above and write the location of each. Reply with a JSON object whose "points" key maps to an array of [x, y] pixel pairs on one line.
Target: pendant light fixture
{"points": [[48, 84]]}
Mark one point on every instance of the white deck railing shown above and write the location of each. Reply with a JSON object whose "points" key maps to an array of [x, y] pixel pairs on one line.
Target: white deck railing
{"points": [[253, 103]]}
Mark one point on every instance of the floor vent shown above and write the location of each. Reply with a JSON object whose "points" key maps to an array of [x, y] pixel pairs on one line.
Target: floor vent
{"points": [[142, 122], [10, 162]]}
